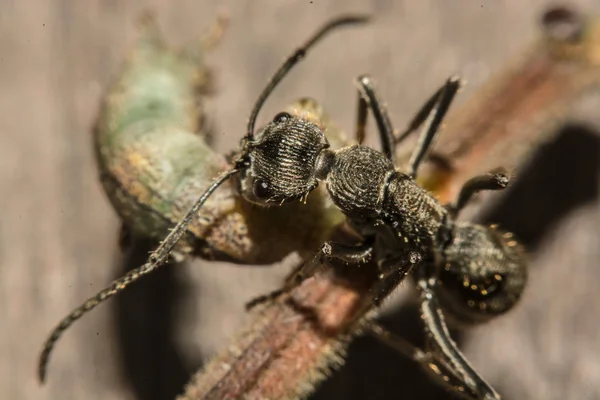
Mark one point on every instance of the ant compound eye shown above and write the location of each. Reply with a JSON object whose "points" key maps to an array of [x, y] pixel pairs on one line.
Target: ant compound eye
{"points": [[261, 189], [281, 117]]}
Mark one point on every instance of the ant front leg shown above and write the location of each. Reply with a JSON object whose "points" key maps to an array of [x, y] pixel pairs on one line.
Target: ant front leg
{"points": [[350, 254], [494, 180]]}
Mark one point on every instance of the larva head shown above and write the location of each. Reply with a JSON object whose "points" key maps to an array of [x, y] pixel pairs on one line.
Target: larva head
{"points": [[483, 274], [281, 162]]}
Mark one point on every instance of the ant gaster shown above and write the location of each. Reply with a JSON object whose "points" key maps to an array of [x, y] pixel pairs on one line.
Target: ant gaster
{"points": [[473, 272]]}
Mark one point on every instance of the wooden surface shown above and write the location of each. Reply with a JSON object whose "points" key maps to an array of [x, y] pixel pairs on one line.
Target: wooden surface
{"points": [[58, 234]]}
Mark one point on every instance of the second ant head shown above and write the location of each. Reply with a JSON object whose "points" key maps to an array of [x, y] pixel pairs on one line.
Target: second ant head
{"points": [[282, 163]]}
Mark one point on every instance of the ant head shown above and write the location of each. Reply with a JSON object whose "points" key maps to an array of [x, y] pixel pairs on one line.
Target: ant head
{"points": [[281, 162], [483, 274]]}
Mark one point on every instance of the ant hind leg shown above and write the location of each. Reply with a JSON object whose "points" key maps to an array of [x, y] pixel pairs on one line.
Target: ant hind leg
{"points": [[466, 381], [431, 362]]}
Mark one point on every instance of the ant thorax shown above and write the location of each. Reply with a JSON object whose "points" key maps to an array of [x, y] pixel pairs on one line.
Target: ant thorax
{"points": [[365, 185], [356, 180]]}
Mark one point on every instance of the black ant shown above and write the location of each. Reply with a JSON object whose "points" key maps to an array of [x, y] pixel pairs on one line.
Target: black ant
{"points": [[472, 271]]}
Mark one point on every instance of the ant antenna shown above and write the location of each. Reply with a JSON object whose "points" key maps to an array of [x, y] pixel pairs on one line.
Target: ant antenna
{"points": [[156, 259], [160, 255], [294, 59]]}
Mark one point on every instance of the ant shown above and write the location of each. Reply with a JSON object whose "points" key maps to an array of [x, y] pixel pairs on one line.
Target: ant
{"points": [[471, 271]]}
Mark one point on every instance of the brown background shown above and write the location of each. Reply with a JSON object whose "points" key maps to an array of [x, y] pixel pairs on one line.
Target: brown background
{"points": [[58, 233]]}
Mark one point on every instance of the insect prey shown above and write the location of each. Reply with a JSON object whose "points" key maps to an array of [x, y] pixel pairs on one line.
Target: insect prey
{"points": [[154, 165]]}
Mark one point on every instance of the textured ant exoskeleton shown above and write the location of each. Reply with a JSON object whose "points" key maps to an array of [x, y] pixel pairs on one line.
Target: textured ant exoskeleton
{"points": [[473, 272]]}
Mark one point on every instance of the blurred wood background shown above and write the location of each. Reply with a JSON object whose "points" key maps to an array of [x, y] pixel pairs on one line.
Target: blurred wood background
{"points": [[58, 234]]}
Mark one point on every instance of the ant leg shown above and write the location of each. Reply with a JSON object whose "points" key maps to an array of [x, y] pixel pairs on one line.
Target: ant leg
{"points": [[432, 114], [349, 254], [494, 180], [403, 263], [393, 272], [361, 119], [398, 343], [421, 115], [367, 97], [435, 111], [265, 298], [451, 356], [440, 371]]}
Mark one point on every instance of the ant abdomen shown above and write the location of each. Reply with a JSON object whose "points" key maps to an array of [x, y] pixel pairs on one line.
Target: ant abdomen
{"points": [[483, 274]]}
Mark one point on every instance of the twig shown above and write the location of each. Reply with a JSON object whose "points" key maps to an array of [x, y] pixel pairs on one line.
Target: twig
{"points": [[292, 343]]}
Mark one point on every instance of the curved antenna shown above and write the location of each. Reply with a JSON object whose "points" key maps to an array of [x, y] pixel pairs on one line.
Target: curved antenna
{"points": [[155, 260], [293, 59]]}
